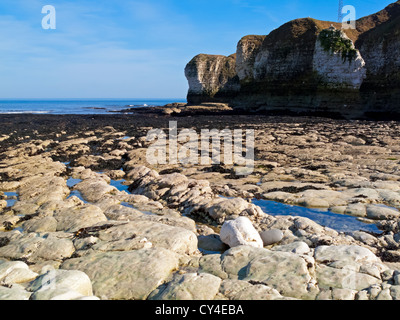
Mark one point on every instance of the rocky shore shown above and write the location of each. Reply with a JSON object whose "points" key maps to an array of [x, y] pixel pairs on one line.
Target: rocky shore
{"points": [[84, 216]]}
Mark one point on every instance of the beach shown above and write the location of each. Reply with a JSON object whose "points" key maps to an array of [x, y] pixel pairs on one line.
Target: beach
{"points": [[316, 219]]}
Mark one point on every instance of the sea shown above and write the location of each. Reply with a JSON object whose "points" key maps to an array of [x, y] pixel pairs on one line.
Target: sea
{"points": [[78, 106]]}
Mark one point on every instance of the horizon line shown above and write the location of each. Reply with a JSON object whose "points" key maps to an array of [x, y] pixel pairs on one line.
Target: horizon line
{"points": [[92, 99]]}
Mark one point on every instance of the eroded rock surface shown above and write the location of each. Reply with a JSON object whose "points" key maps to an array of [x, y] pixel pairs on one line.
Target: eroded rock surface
{"points": [[158, 233]]}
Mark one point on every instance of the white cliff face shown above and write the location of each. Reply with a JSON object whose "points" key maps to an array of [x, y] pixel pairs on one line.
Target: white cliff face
{"points": [[247, 50], [336, 72], [204, 76], [209, 74]]}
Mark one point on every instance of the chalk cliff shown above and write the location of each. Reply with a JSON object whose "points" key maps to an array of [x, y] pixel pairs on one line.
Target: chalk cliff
{"points": [[247, 51], [379, 44], [307, 65], [212, 78]]}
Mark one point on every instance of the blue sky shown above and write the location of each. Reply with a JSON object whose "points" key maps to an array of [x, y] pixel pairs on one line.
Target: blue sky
{"points": [[133, 48]]}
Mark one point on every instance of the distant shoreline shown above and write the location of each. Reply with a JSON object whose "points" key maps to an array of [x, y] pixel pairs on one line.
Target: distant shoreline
{"points": [[76, 106]]}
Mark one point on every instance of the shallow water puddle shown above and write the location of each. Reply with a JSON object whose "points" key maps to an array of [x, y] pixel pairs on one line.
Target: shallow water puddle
{"points": [[71, 182], [338, 222], [66, 163], [77, 194], [119, 184], [11, 202]]}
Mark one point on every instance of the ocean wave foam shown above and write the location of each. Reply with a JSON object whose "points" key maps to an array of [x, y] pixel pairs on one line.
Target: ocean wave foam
{"points": [[24, 112]]}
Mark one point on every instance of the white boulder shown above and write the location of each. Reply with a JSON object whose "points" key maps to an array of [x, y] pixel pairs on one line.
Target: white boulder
{"points": [[240, 232]]}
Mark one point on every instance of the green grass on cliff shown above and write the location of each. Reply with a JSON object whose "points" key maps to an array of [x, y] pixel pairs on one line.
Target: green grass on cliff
{"points": [[333, 41]]}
